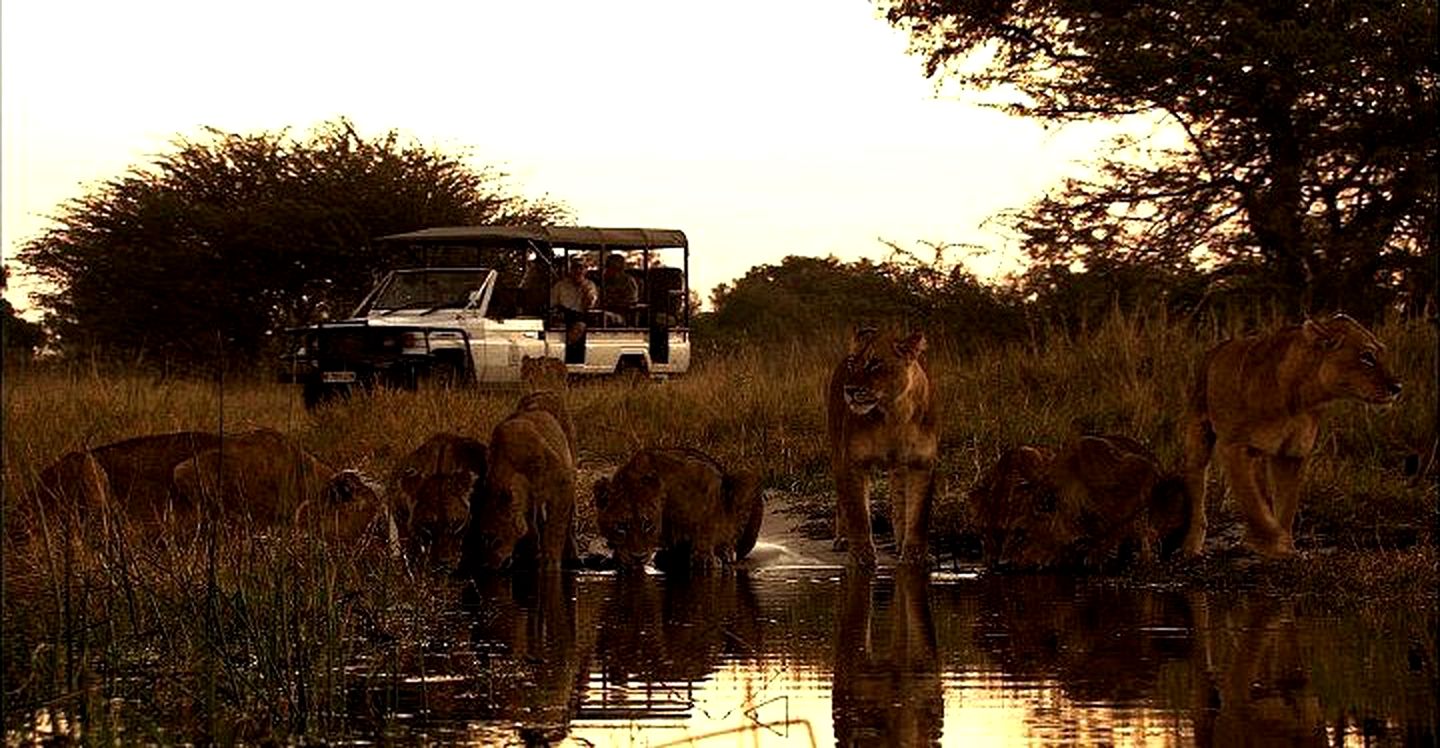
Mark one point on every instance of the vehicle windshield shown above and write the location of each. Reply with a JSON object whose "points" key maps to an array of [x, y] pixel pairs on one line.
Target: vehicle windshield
{"points": [[429, 290]]}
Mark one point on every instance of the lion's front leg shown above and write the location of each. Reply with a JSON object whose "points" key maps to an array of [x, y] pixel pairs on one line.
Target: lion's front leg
{"points": [[558, 523], [853, 511], [914, 513], [1245, 472], [1199, 444], [899, 495], [1285, 475]]}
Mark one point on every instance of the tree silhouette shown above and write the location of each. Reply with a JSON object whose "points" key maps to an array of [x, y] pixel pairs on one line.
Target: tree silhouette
{"points": [[809, 298], [230, 236], [1309, 155]]}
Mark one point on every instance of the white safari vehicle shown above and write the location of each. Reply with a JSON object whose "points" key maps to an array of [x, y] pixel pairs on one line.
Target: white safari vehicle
{"points": [[472, 302]]}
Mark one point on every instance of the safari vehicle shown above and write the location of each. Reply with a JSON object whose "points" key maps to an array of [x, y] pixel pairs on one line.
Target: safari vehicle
{"points": [[469, 303]]}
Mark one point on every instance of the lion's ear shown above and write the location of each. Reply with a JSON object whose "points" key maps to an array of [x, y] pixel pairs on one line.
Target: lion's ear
{"points": [[862, 337], [911, 347], [1320, 334], [602, 492]]}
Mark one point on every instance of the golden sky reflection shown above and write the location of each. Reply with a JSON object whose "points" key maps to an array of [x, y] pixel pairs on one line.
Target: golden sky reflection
{"points": [[768, 704]]}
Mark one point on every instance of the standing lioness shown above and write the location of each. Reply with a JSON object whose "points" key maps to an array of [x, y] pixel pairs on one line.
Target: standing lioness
{"points": [[1258, 401], [881, 414]]}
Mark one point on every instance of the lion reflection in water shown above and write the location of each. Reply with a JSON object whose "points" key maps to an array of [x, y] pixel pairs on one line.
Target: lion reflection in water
{"points": [[663, 630], [1242, 671], [887, 688]]}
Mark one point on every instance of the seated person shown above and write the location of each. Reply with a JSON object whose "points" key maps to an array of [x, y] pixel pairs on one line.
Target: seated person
{"points": [[621, 291], [573, 296]]}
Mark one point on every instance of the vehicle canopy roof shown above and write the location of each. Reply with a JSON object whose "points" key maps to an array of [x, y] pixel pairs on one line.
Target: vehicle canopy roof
{"points": [[571, 237]]}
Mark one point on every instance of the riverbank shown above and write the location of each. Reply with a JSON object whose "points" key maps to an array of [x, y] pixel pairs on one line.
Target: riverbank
{"points": [[1356, 570]]}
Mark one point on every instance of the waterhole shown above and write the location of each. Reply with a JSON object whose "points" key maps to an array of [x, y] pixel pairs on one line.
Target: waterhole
{"points": [[811, 655]]}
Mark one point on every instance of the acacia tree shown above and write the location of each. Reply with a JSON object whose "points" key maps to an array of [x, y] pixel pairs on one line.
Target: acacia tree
{"points": [[231, 236], [1309, 158]]}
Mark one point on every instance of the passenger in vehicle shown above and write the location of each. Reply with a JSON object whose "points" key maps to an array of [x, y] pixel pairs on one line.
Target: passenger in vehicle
{"points": [[573, 296], [620, 291]]}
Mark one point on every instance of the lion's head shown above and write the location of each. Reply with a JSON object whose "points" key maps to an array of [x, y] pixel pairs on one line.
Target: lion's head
{"points": [[440, 516], [880, 370], [351, 509], [1351, 360], [497, 523], [629, 509]]}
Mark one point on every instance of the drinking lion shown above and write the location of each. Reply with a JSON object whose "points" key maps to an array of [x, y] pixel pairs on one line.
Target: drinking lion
{"points": [[682, 506], [526, 508]]}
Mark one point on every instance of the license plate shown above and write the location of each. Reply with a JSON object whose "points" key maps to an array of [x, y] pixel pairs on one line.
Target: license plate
{"points": [[337, 377]]}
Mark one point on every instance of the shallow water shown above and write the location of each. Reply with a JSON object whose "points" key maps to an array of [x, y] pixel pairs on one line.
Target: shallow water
{"points": [[811, 656]]}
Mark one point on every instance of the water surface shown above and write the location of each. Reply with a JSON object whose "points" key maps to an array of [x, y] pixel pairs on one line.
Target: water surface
{"points": [[813, 656]]}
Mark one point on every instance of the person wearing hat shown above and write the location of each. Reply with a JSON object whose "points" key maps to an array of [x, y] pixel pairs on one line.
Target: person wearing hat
{"points": [[574, 295]]}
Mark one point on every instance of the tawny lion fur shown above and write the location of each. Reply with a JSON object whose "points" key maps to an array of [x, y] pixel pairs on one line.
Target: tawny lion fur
{"points": [[1257, 403], [542, 373], [430, 493], [138, 476], [268, 480], [1080, 505], [882, 414], [682, 506], [265, 478], [527, 506]]}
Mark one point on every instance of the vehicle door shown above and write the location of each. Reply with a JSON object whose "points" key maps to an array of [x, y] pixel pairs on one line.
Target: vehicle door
{"points": [[510, 335]]}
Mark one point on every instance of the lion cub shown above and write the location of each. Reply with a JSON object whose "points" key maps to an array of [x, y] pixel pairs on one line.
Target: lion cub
{"points": [[1257, 401], [680, 505], [526, 506], [881, 415]]}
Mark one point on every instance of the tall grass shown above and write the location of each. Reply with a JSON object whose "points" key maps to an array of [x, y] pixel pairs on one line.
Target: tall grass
{"points": [[206, 633]]}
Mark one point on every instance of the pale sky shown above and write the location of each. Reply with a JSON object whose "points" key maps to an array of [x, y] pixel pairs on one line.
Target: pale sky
{"points": [[761, 128]]}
